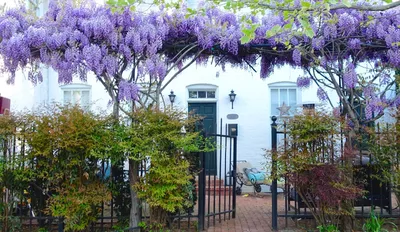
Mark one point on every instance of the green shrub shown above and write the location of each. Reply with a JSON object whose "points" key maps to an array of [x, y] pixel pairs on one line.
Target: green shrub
{"points": [[156, 137], [375, 224], [328, 228]]}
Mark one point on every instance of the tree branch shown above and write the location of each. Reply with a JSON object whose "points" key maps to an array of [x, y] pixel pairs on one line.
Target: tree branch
{"points": [[316, 82], [183, 55], [342, 97], [177, 73], [338, 6]]}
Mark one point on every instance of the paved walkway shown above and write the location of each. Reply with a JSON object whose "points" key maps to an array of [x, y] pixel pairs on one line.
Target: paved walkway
{"points": [[253, 215]]}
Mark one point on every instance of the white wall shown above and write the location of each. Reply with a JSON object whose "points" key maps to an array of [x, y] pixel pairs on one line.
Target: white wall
{"points": [[49, 91], [20, 93], [252, 102]]}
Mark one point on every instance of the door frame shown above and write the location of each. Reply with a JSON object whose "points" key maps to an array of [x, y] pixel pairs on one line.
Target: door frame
{"points": [[212, 170]]}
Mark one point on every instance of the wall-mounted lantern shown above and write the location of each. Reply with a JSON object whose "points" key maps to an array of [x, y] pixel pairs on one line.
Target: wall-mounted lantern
{"points": [[172, 98], [232, 97]]}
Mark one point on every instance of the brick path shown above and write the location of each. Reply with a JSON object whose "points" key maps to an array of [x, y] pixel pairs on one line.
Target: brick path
{"points": [[253, 215]]}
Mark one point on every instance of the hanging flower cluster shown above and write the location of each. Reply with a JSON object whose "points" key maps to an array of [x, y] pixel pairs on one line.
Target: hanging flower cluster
{"points": [[75, 40]]}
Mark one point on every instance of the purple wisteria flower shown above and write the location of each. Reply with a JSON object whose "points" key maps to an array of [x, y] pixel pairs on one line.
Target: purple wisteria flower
{"points": [[127, 91], [35, 77], [354, 44], [330, 31], [8, 27], [84, 39], [369, 92], [350, 76], [385, 78], [322, 95], [92, 56], [318, 43], [347, 24], [394, 57], [296, 57], [396, 101], [303, 82]]}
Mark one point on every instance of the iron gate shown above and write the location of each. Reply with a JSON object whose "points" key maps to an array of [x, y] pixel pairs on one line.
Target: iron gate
{"points": [[217, 198]]}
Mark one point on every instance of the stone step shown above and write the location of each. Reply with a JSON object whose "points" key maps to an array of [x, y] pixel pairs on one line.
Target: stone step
{"points": [[211, 181], [213, 184], [216, 190]]}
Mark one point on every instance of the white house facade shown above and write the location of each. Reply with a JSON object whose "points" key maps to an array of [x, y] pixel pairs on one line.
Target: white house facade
{"points": [[255, 102], [198, 86]]}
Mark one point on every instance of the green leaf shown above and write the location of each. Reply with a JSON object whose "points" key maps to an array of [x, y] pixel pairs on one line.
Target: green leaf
{"points": [[245, 39], [286, 15], [309, 32], [289, 25], [388, 1], [121, 3], [305, 4], [333, 2], [227, 5], [191, 12], [111, 2], [346, 3], [304, 23], [276, 28], [273, 31]]}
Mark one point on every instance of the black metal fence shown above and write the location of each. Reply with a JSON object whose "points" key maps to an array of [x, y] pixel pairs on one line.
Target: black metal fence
{"points": [[370, 173], [217, 198], [214, 194]]}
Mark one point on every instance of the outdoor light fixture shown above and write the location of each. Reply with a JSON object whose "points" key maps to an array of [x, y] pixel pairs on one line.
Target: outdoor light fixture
{"points": [[232, 97], [172, 98]]}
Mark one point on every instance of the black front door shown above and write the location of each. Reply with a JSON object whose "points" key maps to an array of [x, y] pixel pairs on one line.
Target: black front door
{"points": [[208, 112]]}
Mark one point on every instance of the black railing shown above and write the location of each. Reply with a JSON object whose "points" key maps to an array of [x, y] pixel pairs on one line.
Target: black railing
{"points": [[367, 173], [216, 200]]}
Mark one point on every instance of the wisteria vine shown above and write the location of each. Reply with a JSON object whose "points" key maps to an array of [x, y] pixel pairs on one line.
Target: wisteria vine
{"points": [[75, 41]]}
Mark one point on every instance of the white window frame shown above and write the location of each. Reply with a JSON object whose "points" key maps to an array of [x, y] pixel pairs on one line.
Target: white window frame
{"points": [[202, 87], [40, 5], [285, 85], [75, 87]]}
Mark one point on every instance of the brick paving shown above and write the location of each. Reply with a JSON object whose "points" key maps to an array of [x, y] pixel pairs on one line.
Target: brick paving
{"points": [[253, 215]]}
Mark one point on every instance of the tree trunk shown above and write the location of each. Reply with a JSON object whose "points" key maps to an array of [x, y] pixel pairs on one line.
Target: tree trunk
{"points": [[158, 93], [116, 110], [348, 156], [347, 205], [135, 214], [158, 218]]}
